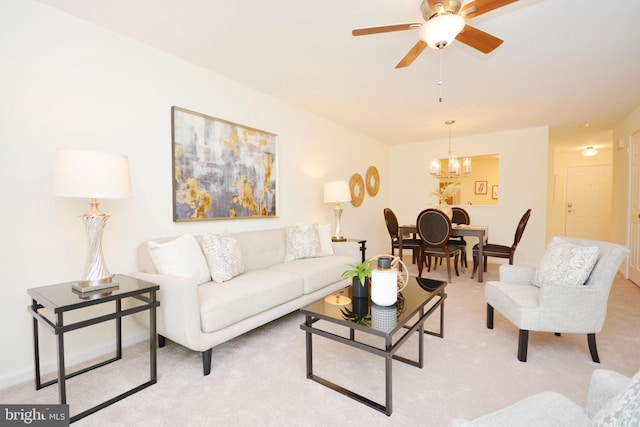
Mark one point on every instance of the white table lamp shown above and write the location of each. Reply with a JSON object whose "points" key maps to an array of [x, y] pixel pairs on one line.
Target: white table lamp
{"points": [[92, 175], [336, 192]]}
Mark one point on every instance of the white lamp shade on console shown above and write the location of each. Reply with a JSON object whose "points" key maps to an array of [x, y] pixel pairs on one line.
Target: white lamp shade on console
{"points": [[92, 175], [336, 192]]}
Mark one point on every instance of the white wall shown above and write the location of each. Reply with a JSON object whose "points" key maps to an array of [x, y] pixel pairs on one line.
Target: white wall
{"points": [[523, 184], [620, 212], [66, 83]]}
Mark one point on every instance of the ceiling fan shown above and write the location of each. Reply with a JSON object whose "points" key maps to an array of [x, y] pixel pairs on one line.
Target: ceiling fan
{"points": [[445, 20]]}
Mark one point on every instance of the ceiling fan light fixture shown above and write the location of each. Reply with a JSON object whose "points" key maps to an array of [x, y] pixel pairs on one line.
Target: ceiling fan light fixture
{"points": [[589, 151], [441, 30]]}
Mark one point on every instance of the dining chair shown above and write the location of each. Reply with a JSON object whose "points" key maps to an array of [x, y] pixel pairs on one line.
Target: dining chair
{"points": [[461, 216], [500, 251], [392, 227], [434, 229]]}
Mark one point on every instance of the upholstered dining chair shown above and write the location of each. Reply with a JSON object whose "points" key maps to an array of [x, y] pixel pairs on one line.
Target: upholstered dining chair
{"points": [[392, 227], [434, 229], [500, 251], [461, 216], [566, 293]]}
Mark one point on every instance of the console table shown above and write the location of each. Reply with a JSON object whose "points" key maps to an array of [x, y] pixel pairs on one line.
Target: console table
{"points": [[54, 301]]}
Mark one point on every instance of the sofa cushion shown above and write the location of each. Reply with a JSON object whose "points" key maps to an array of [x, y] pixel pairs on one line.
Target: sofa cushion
{"points": [[565, 264], [317, 272], [261, 248], [223, 256], [623, 409], [223, 304], [324, 235], [302, 243], [181, 257]]}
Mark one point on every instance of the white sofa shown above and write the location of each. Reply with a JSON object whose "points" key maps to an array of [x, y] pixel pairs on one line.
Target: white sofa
{"points": [[200, 316], [613, 400]]}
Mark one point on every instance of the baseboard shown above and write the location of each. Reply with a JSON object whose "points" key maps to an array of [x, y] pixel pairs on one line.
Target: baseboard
{"points": [[28, 374]]}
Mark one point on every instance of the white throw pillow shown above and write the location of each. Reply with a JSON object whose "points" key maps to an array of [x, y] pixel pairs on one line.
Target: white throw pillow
{"points": [[223, 256], [180, 257], [623, 409], [564, 263], [324, 234], [302, 243]]}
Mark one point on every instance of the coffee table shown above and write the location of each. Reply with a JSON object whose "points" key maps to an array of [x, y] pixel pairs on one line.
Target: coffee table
{"points": [[395, 325]]}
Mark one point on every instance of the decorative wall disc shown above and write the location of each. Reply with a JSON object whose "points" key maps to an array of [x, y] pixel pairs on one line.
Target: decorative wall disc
{"points": [[356, 185], [372, 181]]}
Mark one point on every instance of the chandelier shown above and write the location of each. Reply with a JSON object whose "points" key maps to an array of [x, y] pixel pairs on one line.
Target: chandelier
{"points": [[453, 164]]}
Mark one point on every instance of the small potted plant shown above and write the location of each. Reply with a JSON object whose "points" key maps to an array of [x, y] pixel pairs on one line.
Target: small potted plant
{"points": [[359, 275]]}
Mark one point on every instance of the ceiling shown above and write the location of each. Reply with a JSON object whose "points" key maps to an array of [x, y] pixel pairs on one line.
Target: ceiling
{"points": [[562, 63]]}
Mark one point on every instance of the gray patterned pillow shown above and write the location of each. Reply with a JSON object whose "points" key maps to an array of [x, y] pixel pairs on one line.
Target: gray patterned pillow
{"points": [[564, 263], [223, 256], [302, 243], [623, 409]]}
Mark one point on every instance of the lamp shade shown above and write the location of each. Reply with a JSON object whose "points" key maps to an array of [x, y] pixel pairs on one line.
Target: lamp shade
{"points": [[91, 174], [441, 30], [337, 191]]}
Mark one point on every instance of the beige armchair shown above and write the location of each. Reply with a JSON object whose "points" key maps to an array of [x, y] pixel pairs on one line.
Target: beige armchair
{"points": [[612, 400], [563, 295]]}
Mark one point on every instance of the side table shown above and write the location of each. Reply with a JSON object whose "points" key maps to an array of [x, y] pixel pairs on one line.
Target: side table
{"points": [[363, 246], [59, 299]]}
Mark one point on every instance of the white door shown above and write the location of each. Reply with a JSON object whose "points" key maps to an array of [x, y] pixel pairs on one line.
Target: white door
{"points": [[634, 215], [588, 202]]}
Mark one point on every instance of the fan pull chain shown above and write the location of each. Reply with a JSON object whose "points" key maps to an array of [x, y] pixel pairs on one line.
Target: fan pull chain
{"points": [[440, 76]]}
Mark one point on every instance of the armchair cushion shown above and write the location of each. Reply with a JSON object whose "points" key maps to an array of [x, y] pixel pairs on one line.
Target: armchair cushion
{"points": [[565, 264], [623, 409], [541, 409], [607, 396]]}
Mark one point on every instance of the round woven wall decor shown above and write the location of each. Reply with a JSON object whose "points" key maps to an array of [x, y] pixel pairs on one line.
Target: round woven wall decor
{"points": [[372, 181], [356, 185]]}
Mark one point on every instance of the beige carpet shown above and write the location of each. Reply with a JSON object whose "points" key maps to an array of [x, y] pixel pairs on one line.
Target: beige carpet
{"points": [[258, 379]]}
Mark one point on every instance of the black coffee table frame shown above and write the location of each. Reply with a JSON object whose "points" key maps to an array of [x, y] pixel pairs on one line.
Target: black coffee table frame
{"points": [[423, 305]]}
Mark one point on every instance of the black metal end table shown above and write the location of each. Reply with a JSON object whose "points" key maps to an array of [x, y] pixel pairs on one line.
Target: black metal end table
{"points": [[60, 298]]}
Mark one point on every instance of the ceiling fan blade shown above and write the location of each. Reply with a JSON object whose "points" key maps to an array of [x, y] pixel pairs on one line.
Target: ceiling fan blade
{"points": [[478, 39], [412, 54], [385, 29], [478, 7]]}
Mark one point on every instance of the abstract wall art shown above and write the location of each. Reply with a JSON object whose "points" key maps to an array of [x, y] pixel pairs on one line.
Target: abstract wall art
{"points": [[221, 170]]}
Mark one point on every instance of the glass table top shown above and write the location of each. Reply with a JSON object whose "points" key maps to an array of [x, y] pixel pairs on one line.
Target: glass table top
{"points": [[363, 314], [61, 296]]}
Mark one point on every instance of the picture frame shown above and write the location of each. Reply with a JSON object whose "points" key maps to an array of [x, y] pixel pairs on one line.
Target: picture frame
{"points": [[481, 187], [221, 169], [494, 192]]}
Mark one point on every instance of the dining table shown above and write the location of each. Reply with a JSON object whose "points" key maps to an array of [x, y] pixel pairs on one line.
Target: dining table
{"points": [[479, 231]]}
